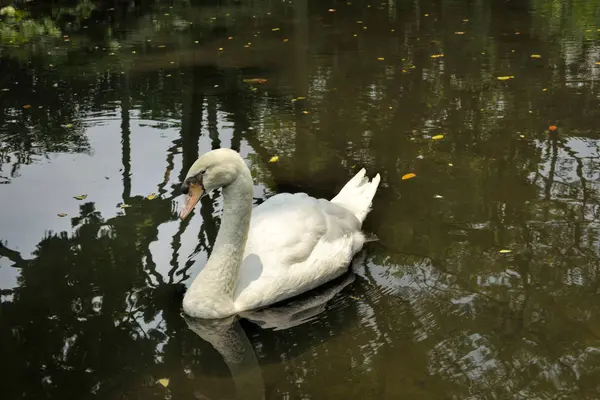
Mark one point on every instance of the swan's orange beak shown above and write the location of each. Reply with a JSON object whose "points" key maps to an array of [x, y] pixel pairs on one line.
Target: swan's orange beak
{"points": [[193, 196]]}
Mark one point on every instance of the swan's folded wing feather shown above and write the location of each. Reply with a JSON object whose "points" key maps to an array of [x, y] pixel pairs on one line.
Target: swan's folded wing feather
{"points": [[295, 242]]}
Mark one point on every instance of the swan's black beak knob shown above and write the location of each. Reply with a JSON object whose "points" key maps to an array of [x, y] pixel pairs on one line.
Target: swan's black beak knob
{"points": [[185, 188]]}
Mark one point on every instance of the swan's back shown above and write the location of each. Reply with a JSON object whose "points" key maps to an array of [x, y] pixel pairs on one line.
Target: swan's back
{"points": [[297, 242]]}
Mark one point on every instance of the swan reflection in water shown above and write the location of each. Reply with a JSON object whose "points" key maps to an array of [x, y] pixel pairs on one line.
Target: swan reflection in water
{"points": [[229, 339]]}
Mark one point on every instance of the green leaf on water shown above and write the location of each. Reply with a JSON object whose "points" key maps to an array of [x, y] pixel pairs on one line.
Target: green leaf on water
{"points": [[68, 126], [504, 251], [151, 196], [62, 215], [80, 197]]}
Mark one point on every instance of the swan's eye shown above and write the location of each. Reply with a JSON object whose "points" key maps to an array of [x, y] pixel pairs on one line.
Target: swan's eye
{"points": [[202, 172]]}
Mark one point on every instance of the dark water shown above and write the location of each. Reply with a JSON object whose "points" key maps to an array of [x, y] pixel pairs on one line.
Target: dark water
{"points": [[116, 100]]}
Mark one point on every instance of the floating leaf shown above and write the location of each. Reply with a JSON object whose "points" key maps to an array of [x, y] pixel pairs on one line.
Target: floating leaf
{"points": [[276, 29], [408, 176], [380, 58], [552, 128], [504, 251], [123, 205], [68, 126], [305, 112], [164, 382], [437, 196], [597, 62], [437, 55], [255, 80], [151, 196], [26, 106], [535, 56], [220, 49], [331, 10], [459, 33], [505, 78], [62, 215], [274, 159], [80, 197], [437, 137]]}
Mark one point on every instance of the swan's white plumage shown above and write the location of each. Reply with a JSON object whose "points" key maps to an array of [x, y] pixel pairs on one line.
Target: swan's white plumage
{"points": [[291, 243], [295, 243]]}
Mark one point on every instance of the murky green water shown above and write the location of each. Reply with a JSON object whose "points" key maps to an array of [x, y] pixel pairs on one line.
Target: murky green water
{"points": [[117, 103]]}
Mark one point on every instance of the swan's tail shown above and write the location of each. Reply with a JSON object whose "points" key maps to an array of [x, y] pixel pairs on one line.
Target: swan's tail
{"points": [[358, 194]]}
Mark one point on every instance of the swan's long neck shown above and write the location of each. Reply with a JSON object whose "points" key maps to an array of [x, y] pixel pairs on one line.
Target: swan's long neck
{"points": [[211, 293]]}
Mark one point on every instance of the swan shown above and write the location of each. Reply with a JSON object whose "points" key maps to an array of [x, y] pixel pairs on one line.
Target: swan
{"points": [[288, 245]]}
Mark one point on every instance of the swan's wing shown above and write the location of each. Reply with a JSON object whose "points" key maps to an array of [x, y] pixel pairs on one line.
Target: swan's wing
{"points": [[295, 243]]}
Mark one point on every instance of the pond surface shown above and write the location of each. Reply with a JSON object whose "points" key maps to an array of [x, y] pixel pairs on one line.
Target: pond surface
{"points": [[485, 281]]}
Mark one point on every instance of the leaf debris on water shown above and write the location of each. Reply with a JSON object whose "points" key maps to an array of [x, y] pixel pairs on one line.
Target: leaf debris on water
{"points": [[164, 382], [80, 197], [62, 215], [274, 159], [68, 126], [505, 78], [535, 56], [151, 196], [437, 55], [255, 80], [504, 251], [123, 205], [26, 106], [437, 137], [408, 176]]}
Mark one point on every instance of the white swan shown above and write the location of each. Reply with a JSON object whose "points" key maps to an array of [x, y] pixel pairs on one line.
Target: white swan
{"points": [[286, 246]]}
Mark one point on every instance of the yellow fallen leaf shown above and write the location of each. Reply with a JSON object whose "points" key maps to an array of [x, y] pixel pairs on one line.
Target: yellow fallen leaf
{"points": [[597, 62], [459, 33], [275, 29], [286, 40], [380, 58], [123, 205], [305, 112], [62, 214], [80, 197], [26, 106], [164, 382], [535, 56], [151, 196], [255, 80], [274, 159], [437, 137], [220, 49], [437, 55], [68, 126], [300, 98], [505, 78], [408, 176], [504, 251]]}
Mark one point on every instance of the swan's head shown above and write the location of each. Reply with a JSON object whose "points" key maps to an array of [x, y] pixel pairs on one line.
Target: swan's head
{"points": [[213, 170]]}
